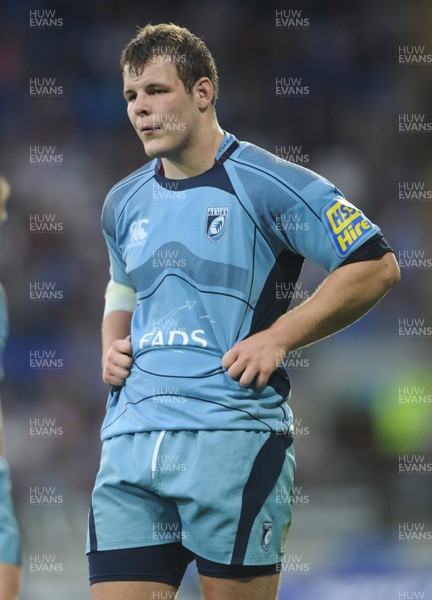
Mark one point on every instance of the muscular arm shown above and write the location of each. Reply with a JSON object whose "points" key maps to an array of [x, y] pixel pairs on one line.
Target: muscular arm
{"points": [[116, 347], [344, 296]]}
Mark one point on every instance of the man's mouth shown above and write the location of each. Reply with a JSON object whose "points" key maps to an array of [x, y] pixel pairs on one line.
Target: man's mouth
{"points": [[149, 128]]}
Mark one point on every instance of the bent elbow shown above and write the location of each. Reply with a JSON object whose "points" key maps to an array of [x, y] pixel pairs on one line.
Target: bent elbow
{"points": [[391, 272]]}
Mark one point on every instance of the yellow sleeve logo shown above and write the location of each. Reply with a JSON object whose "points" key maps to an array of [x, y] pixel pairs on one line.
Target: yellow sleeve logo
{"points": [[347, 225]]}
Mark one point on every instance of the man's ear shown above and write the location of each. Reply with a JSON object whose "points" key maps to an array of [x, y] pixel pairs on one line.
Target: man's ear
{"points": [[203, 92]]}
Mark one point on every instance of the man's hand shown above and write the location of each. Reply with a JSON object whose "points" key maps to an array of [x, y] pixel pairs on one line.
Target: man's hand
{"points": [[118, 362], [254, 358], [344, 296], [116, 347]]}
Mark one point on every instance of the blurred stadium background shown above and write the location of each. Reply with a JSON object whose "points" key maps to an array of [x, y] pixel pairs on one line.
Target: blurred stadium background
{"points": [[359, 520]]}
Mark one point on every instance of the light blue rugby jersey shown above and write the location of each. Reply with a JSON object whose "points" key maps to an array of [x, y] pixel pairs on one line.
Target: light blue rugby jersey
{"points": [[4, 328], [207, 257]]}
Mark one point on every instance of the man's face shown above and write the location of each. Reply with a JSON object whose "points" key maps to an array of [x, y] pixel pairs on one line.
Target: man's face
{"points": [[162, 113]]}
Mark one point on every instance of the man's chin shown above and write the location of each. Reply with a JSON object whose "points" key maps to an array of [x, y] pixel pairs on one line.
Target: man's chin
{"points": [[155, 150]]}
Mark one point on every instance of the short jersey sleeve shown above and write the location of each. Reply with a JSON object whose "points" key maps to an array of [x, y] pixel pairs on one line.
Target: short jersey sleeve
{"points": [[330, 227], [300, 210], [117, 263]]}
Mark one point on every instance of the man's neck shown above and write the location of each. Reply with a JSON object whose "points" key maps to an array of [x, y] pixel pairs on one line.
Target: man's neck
{"points": [[197, 159]]}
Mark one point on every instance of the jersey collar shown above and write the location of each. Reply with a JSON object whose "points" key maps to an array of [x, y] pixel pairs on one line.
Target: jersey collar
{"points": [[227, 146]]}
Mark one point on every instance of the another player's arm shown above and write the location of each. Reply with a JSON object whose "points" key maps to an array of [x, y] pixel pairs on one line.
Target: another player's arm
{"points": [[116, 329], [345, 296]]}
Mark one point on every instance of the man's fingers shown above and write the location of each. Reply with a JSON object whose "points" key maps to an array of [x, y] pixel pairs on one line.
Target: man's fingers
{"points": [[247, 377], [242, 372], [111, 379], [123, 346], [120, 360], [120, 372], [252, 361], [251, 376], [236, 367], [115, 375], [120, 355], [118, 363], [229, 358], [262, 380]]}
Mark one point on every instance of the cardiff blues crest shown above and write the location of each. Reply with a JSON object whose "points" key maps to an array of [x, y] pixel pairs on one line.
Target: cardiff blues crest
{"points": [[216, 223], [266, 535]]}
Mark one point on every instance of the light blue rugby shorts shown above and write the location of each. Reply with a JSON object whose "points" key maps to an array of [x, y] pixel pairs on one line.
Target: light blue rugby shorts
{"points": [[225, 495]]}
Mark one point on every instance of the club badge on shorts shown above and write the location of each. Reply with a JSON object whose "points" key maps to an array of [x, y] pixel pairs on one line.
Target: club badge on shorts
{"points": [[216, 222], [266, 536]]}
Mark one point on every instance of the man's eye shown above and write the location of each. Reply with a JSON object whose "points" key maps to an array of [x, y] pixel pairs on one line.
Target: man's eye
{"points": [[157, 91]]}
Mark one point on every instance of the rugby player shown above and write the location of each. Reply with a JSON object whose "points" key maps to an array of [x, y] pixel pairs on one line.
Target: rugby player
{"points": [[198, 432]]}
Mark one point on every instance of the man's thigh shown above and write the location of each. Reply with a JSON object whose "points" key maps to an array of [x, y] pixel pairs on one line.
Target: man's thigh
{"points": [[264, 587], [132, 590]]}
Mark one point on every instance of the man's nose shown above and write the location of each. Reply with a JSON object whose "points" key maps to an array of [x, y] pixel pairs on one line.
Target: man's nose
{"points": [[141, 105]]}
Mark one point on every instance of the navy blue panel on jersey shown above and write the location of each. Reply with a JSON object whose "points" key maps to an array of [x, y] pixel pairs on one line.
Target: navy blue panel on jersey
{"points": [[277, 291], [215, 258], [215, 178]]}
